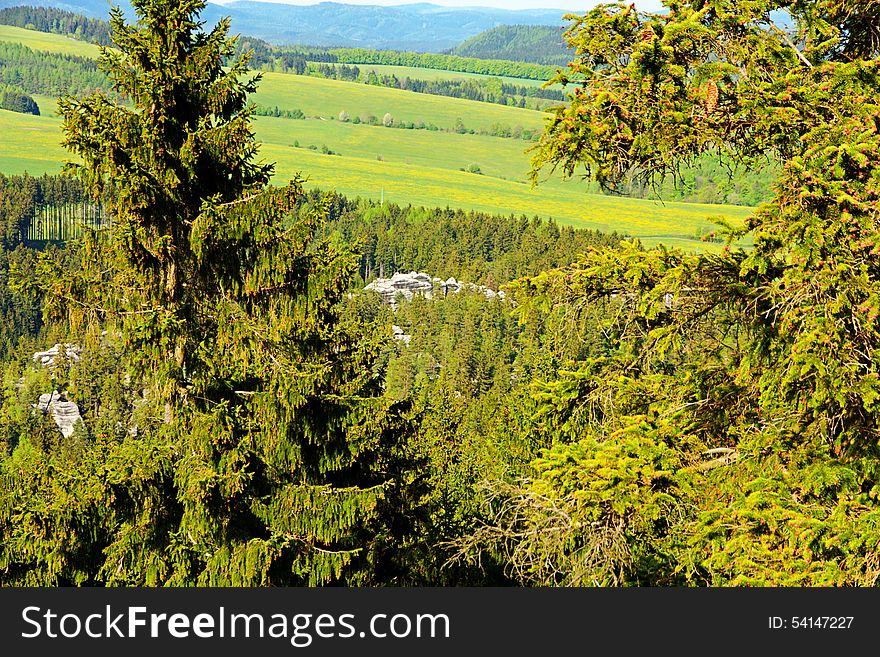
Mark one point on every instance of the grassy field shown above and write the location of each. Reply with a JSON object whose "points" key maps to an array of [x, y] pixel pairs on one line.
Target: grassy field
{"points": [[48, 42], [672, 223], [30, 143], [501, 158], [327, 98], [418, 167], [422, 180]]}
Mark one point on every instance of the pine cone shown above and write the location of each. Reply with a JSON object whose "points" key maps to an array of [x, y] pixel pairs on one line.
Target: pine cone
{"points": [[711, 97]]}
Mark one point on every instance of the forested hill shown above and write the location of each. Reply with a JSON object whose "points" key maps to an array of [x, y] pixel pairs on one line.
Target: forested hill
{"points": [[57, 21], [419, 27], [539, 44]]}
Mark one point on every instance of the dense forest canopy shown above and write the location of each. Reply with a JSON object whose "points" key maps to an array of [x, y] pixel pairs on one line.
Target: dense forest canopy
{"points": [[465, 356], [57, 21], [539, 44], [46, 73], [262, 450], [16, 101]]}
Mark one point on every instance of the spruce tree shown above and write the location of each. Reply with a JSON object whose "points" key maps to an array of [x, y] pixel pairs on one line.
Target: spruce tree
{"points": [[729, 432], [258, 449]]}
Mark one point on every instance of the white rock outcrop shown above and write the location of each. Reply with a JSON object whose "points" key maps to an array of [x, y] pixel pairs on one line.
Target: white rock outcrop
{"points": [[49, 357], [65, 413], [403, 285], [400, 335], [408, 286]]}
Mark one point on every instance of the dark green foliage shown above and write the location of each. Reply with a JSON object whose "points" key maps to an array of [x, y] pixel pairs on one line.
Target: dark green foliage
{"points": [[47, 73], [19, 196], [506, 69], [279, 113], [469, 246], [48, 208], [20, 313], [539, 44], [57, 21], [284, 56], [463, 380], [16, 101], [483, 90]]}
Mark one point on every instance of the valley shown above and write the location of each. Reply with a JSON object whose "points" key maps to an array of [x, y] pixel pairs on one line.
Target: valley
{"points": [[405, 166]]}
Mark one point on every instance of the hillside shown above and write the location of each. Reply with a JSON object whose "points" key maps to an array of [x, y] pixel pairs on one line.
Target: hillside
{"points": [[539, 44], [445, 166], [421, 27]]}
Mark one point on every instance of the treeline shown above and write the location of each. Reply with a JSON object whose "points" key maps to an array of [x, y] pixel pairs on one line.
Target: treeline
{"points": [[26, 198], [49, 74], [20, 313], [296, 59], [277, 112], [500, 68], [472, 246], [17, 101], [57, 21], [497, 129], [491, 90], [20, 198]]}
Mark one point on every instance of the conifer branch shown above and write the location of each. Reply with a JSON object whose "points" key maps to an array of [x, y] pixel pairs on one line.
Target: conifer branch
{"points": [[789, 42]]}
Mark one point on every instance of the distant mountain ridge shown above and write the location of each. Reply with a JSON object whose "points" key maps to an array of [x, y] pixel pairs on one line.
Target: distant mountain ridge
{"points": [[418, 27], [538, 44]]}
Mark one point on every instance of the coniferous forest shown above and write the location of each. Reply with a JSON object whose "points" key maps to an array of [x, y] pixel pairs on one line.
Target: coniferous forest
{"points": [[573, 409]]}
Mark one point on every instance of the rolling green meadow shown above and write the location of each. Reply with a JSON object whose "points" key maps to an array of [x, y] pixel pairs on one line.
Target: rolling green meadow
{"points": [[48, 42], [418, 167], [30, 143], [327, 98]]}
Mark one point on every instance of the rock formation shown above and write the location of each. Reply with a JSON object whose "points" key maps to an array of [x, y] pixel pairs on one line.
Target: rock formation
{"points": [[407, 286], [65, 413], [51, 356], [400, 335], [402, 285]]}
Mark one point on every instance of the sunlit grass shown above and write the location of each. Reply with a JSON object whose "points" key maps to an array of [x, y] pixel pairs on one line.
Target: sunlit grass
{"points": [[30, 143], [48, 42], [327, 98]]}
